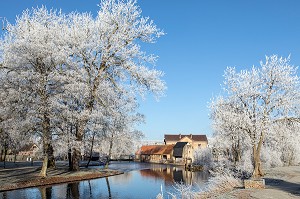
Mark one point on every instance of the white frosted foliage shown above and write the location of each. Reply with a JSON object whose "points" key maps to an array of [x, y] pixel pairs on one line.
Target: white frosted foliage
{"points": [[260, 105]]}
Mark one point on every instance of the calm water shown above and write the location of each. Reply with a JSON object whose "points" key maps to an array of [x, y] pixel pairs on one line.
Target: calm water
{"points": [[140, 180]]}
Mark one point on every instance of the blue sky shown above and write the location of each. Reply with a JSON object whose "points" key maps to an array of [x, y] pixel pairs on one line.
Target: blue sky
{"points": [[203, 38]]}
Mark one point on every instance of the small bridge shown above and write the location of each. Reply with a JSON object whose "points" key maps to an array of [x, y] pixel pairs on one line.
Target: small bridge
{"points": [[123, 158]]}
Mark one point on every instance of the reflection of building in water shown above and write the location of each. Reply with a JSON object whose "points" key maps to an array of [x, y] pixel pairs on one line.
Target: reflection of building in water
{"points": [[182, 175], [170, 174], [162, 173], [122, 179]]}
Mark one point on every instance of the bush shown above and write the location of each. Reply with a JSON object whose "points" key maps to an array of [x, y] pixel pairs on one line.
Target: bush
{"points": [[223, 180], [204, 157]]}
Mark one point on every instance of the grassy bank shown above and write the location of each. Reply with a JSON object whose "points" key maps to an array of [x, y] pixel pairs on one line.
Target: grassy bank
{"points": [[21, 175]]}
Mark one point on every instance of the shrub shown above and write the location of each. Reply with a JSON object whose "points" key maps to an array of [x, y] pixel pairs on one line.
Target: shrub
{"points": [[204, 157]]}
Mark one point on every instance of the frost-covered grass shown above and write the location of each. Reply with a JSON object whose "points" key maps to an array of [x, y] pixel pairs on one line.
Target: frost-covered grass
{"points": [[222, 181], [182, 191]]}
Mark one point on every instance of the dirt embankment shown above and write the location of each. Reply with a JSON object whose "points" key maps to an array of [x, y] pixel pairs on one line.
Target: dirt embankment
{"points": [[23, 176]]}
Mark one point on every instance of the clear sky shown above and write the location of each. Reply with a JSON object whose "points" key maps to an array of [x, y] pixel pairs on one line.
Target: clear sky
{"points": [[203, 38]]}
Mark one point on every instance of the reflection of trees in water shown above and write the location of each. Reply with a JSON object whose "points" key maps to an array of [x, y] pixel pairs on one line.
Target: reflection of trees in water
{"points": [[46, 192], [59, 191], [108, 187], [86, 189], [90, 188], [73, 190], [4, 195], [124, 178], [201, 177], [189, 177]]}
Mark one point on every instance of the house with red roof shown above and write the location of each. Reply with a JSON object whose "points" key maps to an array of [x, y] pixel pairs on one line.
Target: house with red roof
{"points": [[195, 141], [29, 150], [178, 148], [155, 153]]}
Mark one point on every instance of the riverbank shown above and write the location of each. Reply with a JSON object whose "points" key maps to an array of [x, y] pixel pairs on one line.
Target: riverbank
{"points": [[24, 175], [281, 182]]}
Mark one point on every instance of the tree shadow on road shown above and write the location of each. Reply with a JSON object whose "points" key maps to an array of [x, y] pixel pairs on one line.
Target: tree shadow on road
{"points": [[289, 187]]}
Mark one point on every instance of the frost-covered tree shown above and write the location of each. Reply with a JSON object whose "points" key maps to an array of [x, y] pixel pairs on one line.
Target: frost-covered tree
{"points": [[106, 51], [204, 157], [260, 107], [64, 71], [115, 125], [33, 55]]}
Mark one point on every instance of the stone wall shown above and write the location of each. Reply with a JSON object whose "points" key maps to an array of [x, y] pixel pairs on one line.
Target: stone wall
{"points": [[256, 184]]}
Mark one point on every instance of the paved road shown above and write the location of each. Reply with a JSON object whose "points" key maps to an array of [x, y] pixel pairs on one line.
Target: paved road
{"points": [[281, 183]]}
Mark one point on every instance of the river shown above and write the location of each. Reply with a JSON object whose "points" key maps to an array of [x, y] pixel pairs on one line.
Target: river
{"points": [[140, 180]]}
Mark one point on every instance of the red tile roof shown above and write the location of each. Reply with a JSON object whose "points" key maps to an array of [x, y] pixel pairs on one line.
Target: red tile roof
{"points": [[174, 137], [28, 147], [156, 149]]}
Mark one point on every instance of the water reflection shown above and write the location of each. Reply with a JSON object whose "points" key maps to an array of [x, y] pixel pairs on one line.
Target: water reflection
{"points": [[161, 173], [46, 192], [122, 179], [73, 190], [144, 181], [108, 187], [175, 174]]}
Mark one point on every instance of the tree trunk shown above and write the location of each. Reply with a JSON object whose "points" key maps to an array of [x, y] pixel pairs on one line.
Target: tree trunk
{"points": [[239, 151], [91, 151], [15, 155], [70, 159], [257, 173], [43, 172], [5, 153], [76, 154], [51, 159], [47, 137], [291, 158], [1, 155], [109, 152], [47, 146], [69, 148]]}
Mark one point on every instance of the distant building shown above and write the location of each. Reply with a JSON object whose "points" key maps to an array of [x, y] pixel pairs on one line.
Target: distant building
{"points": [[155, 153], [185, 145], [182, 150], [29, 150], [195, 140], [178, 148]]}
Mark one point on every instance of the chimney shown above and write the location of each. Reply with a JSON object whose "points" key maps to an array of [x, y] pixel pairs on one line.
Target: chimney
{"points": [[179, 135]]}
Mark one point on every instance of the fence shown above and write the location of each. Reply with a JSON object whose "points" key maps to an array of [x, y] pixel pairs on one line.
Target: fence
{"points": [[11, 158]]}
